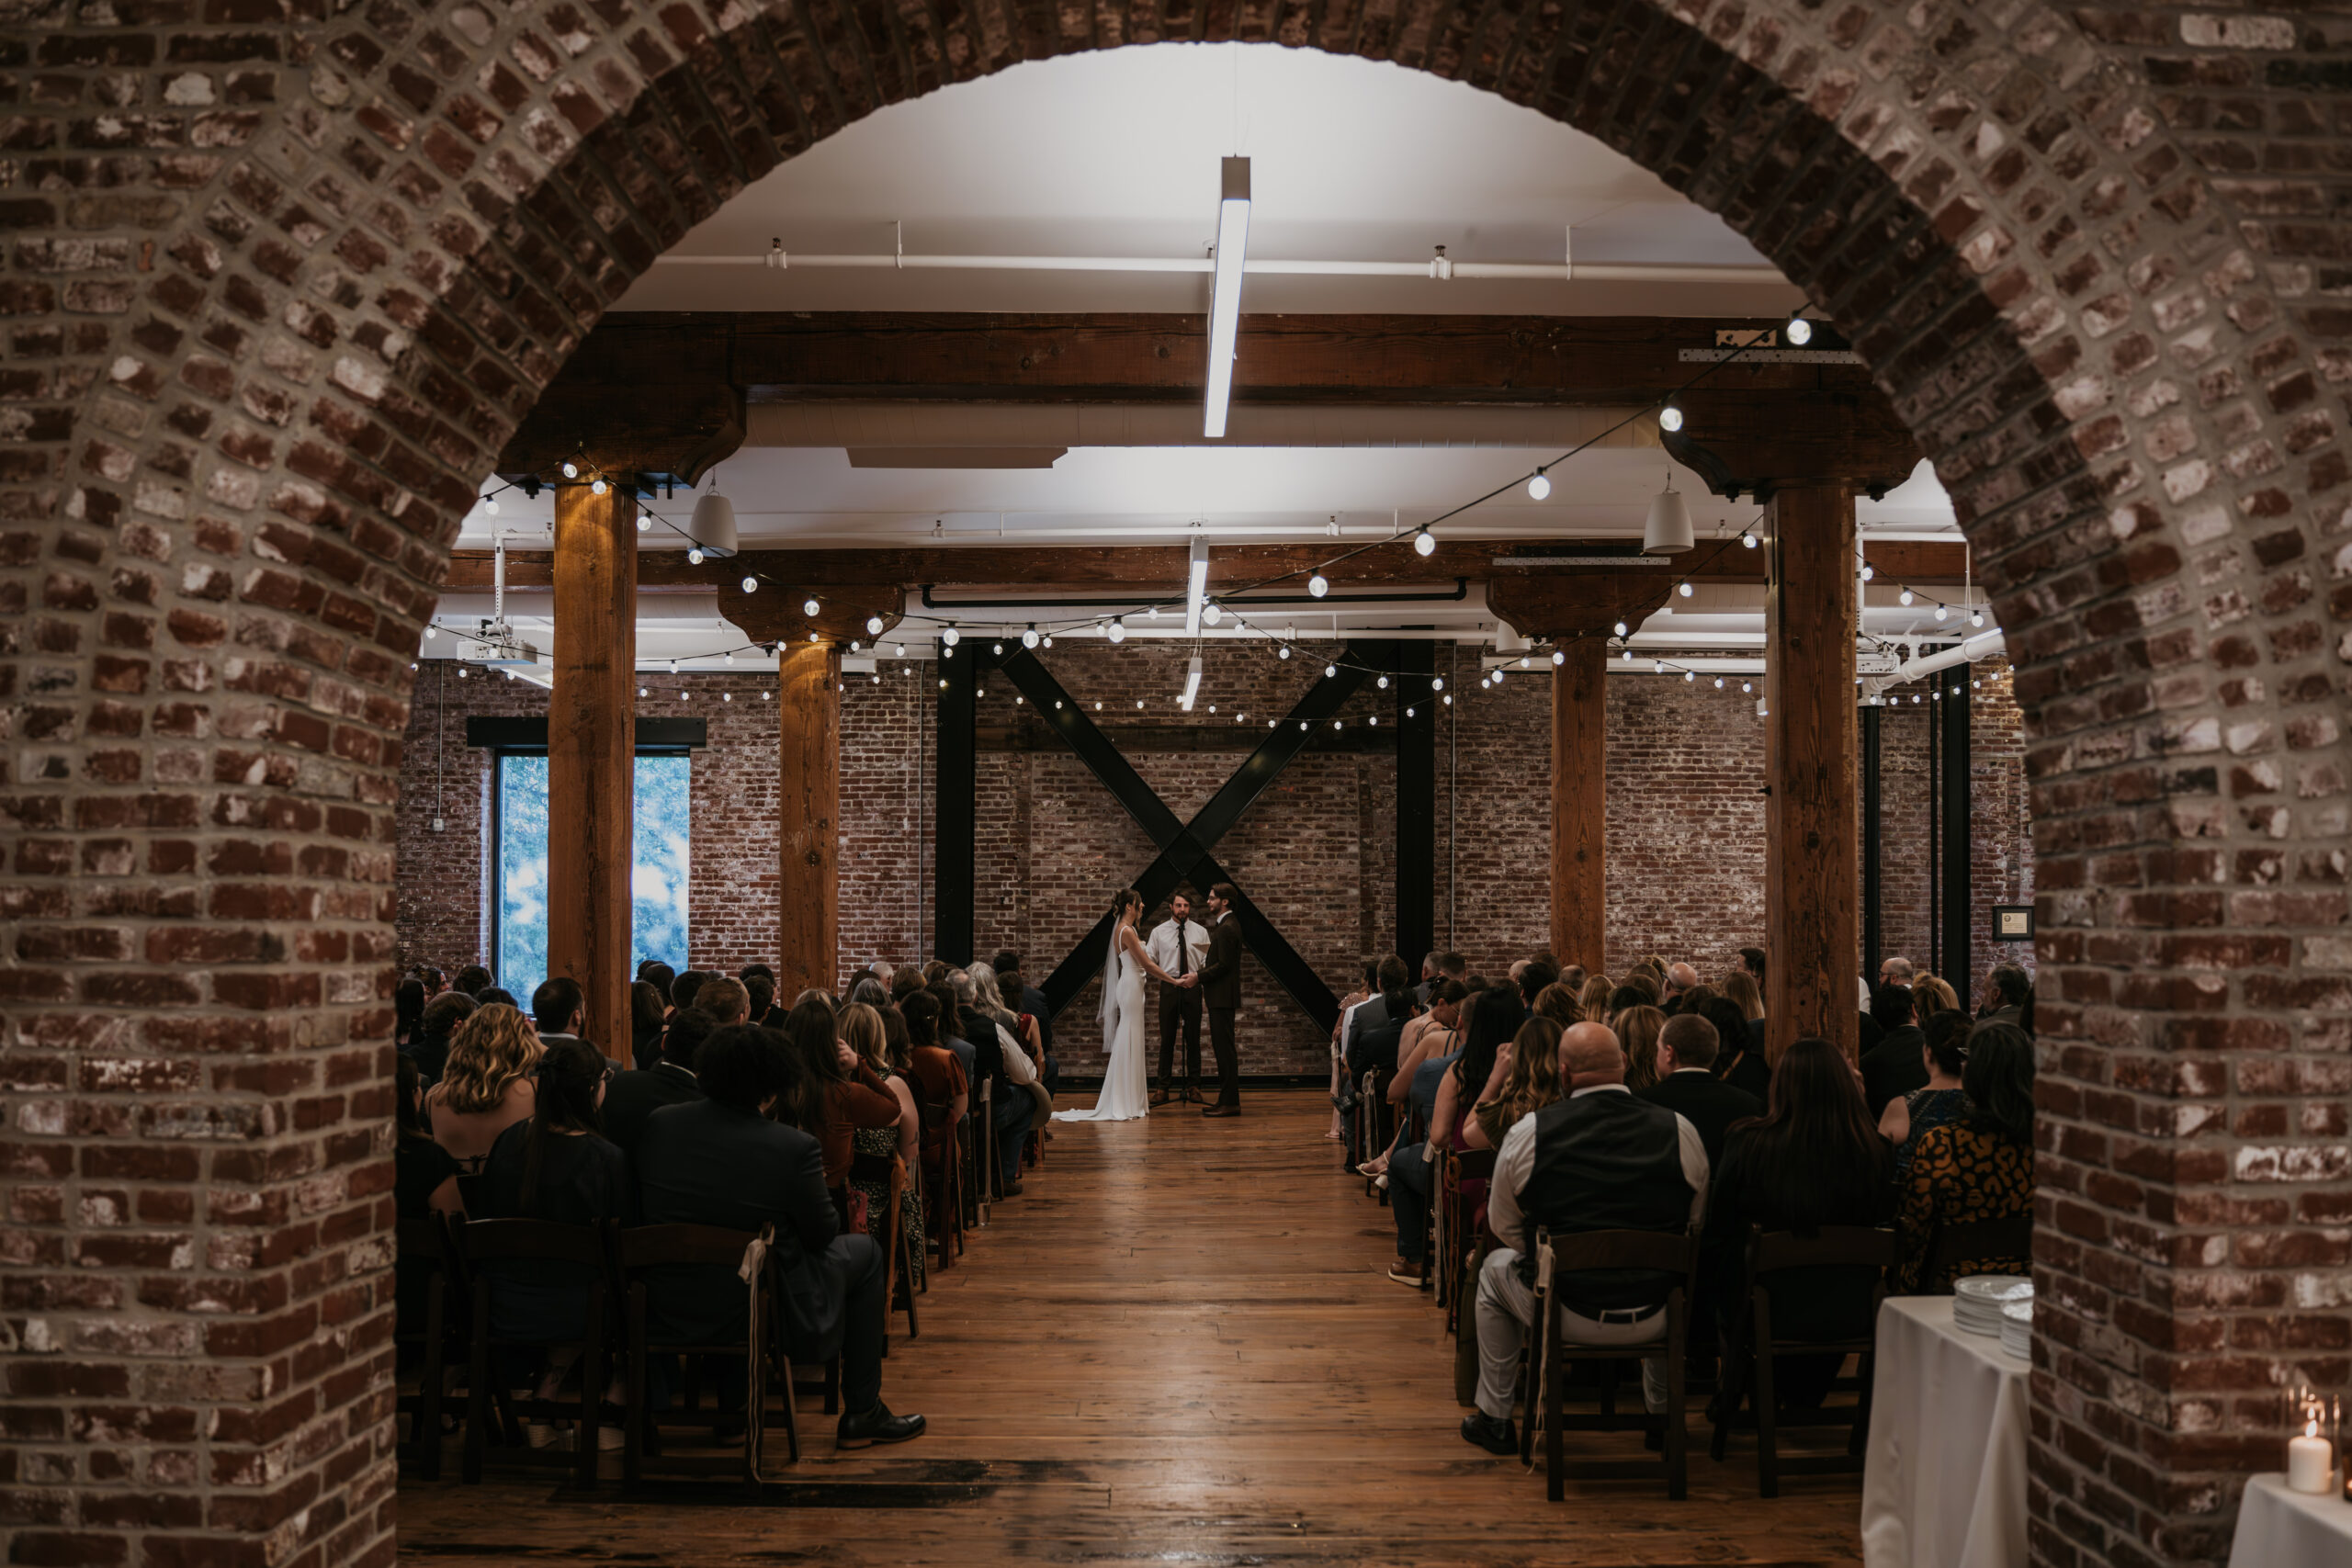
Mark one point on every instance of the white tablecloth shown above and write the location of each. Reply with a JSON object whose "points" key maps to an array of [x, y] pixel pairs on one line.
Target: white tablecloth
{"points": [[1944, 1485], [2279, 1528]]}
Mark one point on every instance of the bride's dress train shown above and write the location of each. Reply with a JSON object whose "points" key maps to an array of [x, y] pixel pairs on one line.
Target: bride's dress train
{"points": [[1125, 1088]]}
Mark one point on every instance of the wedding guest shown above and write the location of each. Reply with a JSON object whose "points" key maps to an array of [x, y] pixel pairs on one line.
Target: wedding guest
{"points": [[407, 1012], [1600, 1159], [487, 1086], [720, 1161], [728, 1002], [1894, 1066], [1637, 1028], [1978, 1167], [1930, 996], [833, 1094], [1526, 1079], [862, 1031], [647, 1017], [473, 980], [558, 1010], [1811, 1159], [1592, 1000], [1022, 996], [443, 1017], [1685, 1083], [1428, 1045], [1942, 1100], [1740, 989], [1412, 1169], [425, 1183], [1739, 1049], [633, 1097], [1558, 1003]]}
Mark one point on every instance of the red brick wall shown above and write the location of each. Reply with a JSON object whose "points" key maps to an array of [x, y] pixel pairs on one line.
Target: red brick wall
{"points": [[276, 294], [443, 882]]}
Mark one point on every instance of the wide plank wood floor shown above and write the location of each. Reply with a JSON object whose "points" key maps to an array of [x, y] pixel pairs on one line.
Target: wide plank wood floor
{"points": [[1179, 1346]]}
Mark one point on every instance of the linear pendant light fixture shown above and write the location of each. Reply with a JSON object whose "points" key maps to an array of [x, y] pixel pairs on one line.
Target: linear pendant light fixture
{"points": [[1196, 587], [1191, 684], [1224, 291]]}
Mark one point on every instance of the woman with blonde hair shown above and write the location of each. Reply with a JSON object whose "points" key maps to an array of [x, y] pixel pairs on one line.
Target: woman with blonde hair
{"points": [[1740, 988], [1933, 995], [1526, 1079], [1637, 1029], [863, 1031], [1558, 1003], [1593, 1000], [487, 1086]]}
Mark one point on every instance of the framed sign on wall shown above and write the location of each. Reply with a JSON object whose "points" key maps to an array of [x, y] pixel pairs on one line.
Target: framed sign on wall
{"points": [[2012, 923]]}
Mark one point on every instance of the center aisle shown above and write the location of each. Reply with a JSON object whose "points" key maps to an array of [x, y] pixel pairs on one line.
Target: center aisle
{"points": [[1180, 1342]]}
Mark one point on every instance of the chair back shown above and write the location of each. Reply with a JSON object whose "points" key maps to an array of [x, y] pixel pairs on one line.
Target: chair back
{"points": [[1669, 1252], [1834, 1247], [1955, 1244], [1473, 1165], [423, 1241], [539, 1240], [657, 1246]]}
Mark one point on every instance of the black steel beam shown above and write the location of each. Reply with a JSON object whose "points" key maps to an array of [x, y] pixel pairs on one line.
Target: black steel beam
{"points": [[1185, 849], [1958, 878], [1412, 666], [956, 812], [1873, 879]]}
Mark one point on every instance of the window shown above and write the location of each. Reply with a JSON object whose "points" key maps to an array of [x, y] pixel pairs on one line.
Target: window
{"points": [[656, 882]]}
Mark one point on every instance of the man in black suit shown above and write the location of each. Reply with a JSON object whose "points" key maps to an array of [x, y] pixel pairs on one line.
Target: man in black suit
{"points": [[1897, 1063], [1030, 1000], [1687, 1087], [558, 1010], [633, 1097], [719, 1161], [1220, 983]]}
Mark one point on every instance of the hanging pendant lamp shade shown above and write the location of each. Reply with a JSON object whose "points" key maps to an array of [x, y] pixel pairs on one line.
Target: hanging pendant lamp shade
{"points": [[714, 524], [1667, 532]]}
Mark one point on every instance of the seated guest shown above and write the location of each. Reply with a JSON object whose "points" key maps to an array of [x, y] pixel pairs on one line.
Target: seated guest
{"points": [[1000, 1058], [556, 1168], [434, 982], [473, 980], [1813, 1160], [658, 976], [1941, 1100], [407, 1012], [1930, 996], [1752, 959], [1557, 1002], [1021, 996], [863, 1031], [1372, 1012], [1978, 1167], [559, 1009], [1740, 989], [938, 1069], [487, 1086], [1685, 1082], [951, 1030], [1739, 1049], [761, 992], [1428, 1045], [904, 983], [1539, 972], [634, 1097], [1592, 1000], [1895, 972], [1573, 978], [1339, 1036], [498, 997], [1374, 1048], [1412, 1168], [1894, 1066], [728, 1003], [649, 1015], [1681, 978], [719, 1161], [425, 1183], [833, 1093], [683, 989], [2008, 998], [1526, 1079], [1633, 991], [1600, 1159], [867, 991], [1489, 1019], [1636, 1029], [443, 1017]]}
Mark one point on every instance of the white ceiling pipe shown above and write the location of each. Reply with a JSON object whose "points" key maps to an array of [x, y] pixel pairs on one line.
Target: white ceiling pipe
{"points": [[1984, 644], [1436, 268]]}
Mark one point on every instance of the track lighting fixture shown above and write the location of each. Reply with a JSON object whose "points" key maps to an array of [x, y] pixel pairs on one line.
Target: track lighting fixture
{"points": [[1224, 291]]}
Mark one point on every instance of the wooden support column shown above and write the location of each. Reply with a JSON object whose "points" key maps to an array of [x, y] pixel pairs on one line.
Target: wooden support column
{"points": [[1579, 804], [592, 755], [809, 809], [1811, 739], [955, 814], [1957, 943], [1415, 715]]}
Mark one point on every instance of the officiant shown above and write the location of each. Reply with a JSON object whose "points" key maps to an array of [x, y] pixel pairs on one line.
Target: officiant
{"points": [[1178, 944]]}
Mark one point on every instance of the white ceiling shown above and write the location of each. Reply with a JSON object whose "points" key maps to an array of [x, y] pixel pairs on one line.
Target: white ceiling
{"points": [[1117, 152]]}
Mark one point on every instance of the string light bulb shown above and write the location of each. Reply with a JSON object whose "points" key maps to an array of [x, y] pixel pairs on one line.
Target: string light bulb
{"points": [[1800, 331], [1558, 658], [951, 637], [1383, 682], [570, 471], [1747, 541], [1976, 618], [750, 584], [1318, 585], [1282, 651], [1942, 610], [997, 650], [1719, 682], [1869, 571], [1539, 487], [1683, 589], [1904, 598], [1211, 615], [490, 506], [1670, 418], [430, 631], [1330, 670], [874, 626], [1029, 639], [1689, 676], [1424, 543], [597, 486], [1117, 630], [1437, 683], [644, 523], [1621, 628], [694, 557]]}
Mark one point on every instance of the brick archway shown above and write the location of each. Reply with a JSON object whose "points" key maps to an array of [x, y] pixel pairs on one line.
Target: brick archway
{"points": [[276, 297]]}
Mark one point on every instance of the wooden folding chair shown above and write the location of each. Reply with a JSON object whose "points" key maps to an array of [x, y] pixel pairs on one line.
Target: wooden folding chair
{"points": [[1955, 1247], [942, 1186], [1457, 1227], [1546, 1370], [1754, 1344], [638, 1252], [483, 1242], [984, 1178], [889, 1233], [423, 1248]]}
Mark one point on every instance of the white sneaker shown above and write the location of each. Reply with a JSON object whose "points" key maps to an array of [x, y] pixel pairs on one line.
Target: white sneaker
{"points": [[555, 1439]]}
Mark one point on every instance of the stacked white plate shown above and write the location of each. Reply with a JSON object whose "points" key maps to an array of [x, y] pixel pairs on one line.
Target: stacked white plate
{"points": [[2017, 1328], [1977, 1299]]}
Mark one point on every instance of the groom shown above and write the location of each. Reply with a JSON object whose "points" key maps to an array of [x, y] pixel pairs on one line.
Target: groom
{"points": [[1220, 983]]}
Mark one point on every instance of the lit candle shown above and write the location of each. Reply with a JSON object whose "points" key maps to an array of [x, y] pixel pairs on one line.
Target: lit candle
{"points": [[2310, 1461]]}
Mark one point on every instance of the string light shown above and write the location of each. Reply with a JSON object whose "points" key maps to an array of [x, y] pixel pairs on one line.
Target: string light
{"points": [[1318, 585], [951, 637], [1747, 541], [598, 487], [1800, 331], [430, 631], [1684, 589], [1437, 683], [997, 649], [1670, 418], [1621, 628], [1211, 614], [1719, 682], [1117, 630], [1029, 639], [1409, 713], [490, 506], [1904, 598], [1539, 486], [570, 471], [1425, 542], [1942, 610], [694, 557], [1869, 571], [1330, 670], [751, 585], [874, 625], [1383, 682], [644, 523]]}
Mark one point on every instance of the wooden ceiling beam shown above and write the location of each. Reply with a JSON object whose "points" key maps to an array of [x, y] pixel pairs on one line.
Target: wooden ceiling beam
{"points": [[1921, 562]]}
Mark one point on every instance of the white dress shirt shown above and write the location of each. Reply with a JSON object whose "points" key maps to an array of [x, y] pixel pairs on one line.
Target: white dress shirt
{"points": [[1162, 948], [1515, 1162], [1017, 1064]]}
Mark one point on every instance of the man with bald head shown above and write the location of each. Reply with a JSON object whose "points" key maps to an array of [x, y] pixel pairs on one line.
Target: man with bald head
{"points": [[1681, 978], [1598, 1160]]}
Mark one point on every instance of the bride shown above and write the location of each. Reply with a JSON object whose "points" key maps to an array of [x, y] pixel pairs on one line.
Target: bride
{"points": [[1125, 1082]]}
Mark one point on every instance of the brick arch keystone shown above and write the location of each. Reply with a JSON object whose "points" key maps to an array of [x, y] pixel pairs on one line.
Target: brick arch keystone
{"points": [[276, 291]]}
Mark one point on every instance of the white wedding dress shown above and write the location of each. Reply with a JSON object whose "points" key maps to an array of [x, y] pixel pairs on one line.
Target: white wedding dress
{"points": [[1125, 1096]]}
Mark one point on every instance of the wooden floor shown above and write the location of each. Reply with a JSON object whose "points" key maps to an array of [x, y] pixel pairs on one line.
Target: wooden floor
{"points": [[1179, 1345]]}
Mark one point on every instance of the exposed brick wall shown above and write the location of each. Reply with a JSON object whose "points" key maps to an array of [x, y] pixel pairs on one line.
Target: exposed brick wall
{"points": [[444, 879], [276, 294]]}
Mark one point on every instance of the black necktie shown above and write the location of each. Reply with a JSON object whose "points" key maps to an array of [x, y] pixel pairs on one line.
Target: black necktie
{"points": [[1183, 950]]}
